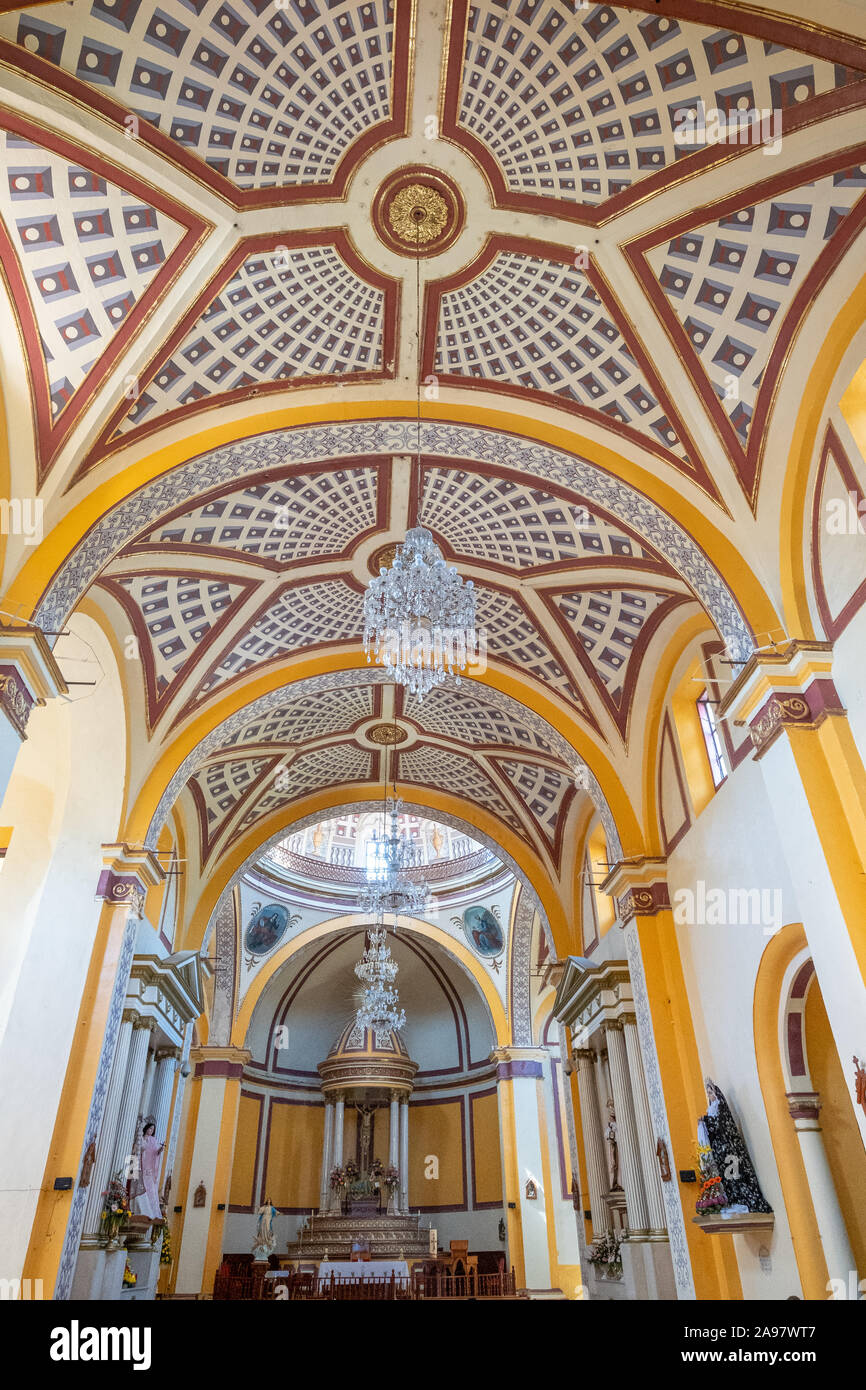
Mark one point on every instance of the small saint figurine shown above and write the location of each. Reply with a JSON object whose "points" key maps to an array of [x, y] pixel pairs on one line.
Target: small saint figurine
{"points": [[266, 1238], [613, 1150]]}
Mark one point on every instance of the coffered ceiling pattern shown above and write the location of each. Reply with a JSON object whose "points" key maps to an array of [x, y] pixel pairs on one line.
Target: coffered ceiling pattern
{"points": [[581, 103], [263, 95], [283, 314], [191, 224]]}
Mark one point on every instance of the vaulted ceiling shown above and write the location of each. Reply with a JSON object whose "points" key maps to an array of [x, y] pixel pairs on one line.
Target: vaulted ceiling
{"points": [[202, 247]]}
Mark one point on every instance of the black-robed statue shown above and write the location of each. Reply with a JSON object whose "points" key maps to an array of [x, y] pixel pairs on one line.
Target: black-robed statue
{"points": [[730, 1182]]}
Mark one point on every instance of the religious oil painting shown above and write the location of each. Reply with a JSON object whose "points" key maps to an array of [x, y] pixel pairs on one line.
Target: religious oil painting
{"points": [[266, 928], [483, 932]]}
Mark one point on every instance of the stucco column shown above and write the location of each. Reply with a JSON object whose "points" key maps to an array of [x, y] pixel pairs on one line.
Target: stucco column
{"points": [[217, 1077], [101, 1170], [652, 1183], [520, 1087], [160, 1098], [815, 778], [593, 1142], [145, 1106], [404, 1153], [626, 1131], [704, 1267], [804, 1108], [122, 1161], [394, 1134], [55, 1237], [327, 1140], [339, 1116]]}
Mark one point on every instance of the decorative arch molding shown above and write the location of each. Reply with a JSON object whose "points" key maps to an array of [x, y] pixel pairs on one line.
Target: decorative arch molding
{"points": [[319, 444], [507, 704], [306, 944], [528, 904], [784, 958], [422, 945]]}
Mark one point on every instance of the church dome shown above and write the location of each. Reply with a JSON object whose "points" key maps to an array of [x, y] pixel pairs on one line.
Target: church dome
{"points": [[367, 1057]]}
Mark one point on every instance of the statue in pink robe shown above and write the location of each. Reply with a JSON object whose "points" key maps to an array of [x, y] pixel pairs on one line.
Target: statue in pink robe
{"points": [[148, 1201]]}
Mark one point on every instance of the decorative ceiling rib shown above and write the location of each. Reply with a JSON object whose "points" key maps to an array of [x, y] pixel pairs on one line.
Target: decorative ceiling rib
{"points": [[88, 251], [577, 107]]}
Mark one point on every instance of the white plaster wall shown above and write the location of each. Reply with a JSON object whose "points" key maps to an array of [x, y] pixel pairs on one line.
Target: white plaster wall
{"points": [[204, 1154], [735, 844], [64, 800], [849, 675]]}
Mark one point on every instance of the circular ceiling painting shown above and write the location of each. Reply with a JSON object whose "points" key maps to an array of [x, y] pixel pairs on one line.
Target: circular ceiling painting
{"points": [[483, 931], [266, 928]]}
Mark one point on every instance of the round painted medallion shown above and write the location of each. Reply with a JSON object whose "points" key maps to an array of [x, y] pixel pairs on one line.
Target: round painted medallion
{"points": [[483, 932], [266, 928], [419, 211]]}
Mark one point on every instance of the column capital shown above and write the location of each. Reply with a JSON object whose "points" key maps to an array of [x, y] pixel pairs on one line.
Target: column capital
{"points": [[514, 1062], [628, 1019], [130, 1016], [29, 675], [228, 1062], [788, 687], [803, 1105], [612, 1025], [127, 873], [145, 1022], [639, 886], [584, 1054], [163, 1052]]}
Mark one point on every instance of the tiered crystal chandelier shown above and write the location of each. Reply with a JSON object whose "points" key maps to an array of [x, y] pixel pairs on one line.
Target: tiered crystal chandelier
{"points": [[419, 616], [380, 1002], [392, 889]]}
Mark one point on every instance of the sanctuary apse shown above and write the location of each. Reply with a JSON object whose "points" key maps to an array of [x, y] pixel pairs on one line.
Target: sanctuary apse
{"points": [[432, 700]]}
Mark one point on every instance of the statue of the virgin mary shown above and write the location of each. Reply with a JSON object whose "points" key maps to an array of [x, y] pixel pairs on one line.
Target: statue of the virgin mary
{"points": [[725, 1162], [147, 1185]]}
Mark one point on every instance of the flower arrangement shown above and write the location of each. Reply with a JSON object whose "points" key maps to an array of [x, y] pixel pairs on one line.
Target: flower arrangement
{"points": [[712, 1195], [605, 1251], [338, 1178], [115, 1210], [392, 1179], [165, 1255], [129, 1278], [351, 1170], [376, 1168]]}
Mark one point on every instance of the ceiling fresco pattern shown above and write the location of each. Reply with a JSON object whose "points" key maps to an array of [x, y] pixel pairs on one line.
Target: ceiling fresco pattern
{"points": [[215, 348]]}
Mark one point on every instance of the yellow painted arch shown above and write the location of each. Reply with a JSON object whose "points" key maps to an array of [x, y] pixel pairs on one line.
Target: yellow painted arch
{"points": [[448, 943], [331, 798], [682, 639], [189, 737], [41, 566], [793, 546], [805, 1236]]}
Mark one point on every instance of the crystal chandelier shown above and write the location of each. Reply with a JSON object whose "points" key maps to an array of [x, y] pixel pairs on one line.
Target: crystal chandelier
{"points": [[376, 964], [380, 1001], [419, 616], [380, 1010], [391, 889]]}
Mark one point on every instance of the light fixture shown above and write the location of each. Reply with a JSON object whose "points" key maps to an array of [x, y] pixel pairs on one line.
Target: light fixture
{"points": [[379, 1008], [419, 616]]}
